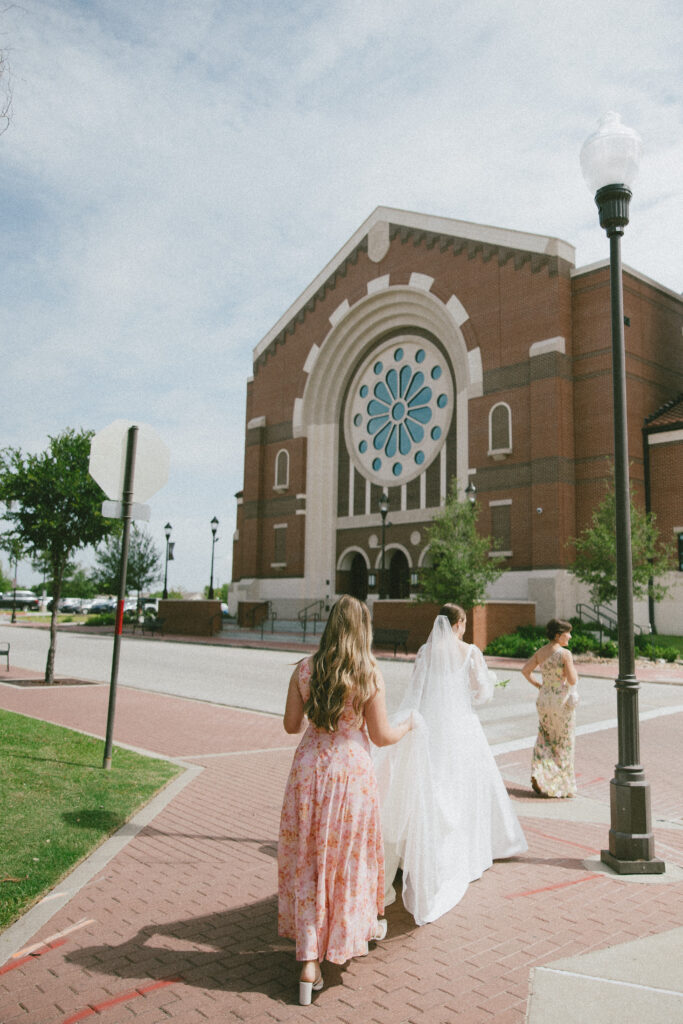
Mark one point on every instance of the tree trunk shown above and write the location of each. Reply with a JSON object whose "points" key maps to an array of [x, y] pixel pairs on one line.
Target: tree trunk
{"points": [[50, 663]]}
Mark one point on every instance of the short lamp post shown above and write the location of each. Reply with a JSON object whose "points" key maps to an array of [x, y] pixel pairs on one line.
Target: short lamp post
{"points": [[383, 509], [214, 538], [167, 531], [609, 161]]}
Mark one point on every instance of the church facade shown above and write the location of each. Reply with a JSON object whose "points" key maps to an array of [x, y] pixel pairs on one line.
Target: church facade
{"points": [[431, 349]]}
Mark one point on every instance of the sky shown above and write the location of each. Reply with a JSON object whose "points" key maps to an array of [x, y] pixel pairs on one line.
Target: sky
{"points": [[174, 174]]}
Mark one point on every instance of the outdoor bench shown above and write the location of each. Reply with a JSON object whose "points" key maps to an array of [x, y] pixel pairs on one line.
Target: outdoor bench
{"points": [[391, 638], [152, 625]]}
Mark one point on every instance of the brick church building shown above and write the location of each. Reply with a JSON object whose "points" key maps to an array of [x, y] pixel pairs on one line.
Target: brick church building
{"points": [[428, 349]]}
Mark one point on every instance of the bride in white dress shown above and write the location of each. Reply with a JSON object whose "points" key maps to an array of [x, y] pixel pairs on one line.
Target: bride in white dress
{"points": [[446, 815]]}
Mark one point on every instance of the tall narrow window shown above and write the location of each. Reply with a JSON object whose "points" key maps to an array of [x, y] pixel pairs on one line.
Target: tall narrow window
{"points": [[280, 551], [282, 470], [501, 527], [500, 431]]}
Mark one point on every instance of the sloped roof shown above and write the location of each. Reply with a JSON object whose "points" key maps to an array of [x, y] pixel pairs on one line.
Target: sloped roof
{"points": [[440, 231], [667, 416]]}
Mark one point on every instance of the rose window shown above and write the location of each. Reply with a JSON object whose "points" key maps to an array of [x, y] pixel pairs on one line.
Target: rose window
{"points": [[398, 411]]}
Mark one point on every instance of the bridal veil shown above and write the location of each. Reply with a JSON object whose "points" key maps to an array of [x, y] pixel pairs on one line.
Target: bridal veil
{"points": [[445, 812]]}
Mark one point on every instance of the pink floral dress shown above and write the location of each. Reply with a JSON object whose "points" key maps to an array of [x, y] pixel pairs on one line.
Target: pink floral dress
{"points": [[330, 853], [552, 763]]}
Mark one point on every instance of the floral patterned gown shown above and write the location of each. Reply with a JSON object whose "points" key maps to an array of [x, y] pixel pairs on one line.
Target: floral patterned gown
{"points": [[552, 763], [330, 853]]}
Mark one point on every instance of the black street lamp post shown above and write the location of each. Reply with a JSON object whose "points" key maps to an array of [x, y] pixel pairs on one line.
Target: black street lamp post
{"points": [[471, 492], [383, 509], [214, 527], [167, 531], [609, 161]]}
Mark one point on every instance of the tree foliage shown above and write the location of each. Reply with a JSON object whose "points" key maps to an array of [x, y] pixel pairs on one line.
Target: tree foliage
{"points": [[144, 562], [596, 553], [53, 507], [461, 568]]}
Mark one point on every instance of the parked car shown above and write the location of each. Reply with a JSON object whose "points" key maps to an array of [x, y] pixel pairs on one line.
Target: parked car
{"points": [[25, 599], [101, 606]]}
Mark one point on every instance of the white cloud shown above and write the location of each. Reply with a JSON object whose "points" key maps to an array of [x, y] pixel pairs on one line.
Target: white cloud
{"points": [[176, 174]]}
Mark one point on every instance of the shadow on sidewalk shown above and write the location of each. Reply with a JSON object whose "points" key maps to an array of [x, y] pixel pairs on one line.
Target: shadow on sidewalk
{"points": [[235, 950]]}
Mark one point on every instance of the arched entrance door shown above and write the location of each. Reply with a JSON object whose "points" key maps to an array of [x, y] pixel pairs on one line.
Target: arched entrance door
{"points": [[358, 578], [399, 576]]}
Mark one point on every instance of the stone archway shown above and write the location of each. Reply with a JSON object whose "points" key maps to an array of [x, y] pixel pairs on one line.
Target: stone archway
{"points": [[358, 578], [399, 576]]}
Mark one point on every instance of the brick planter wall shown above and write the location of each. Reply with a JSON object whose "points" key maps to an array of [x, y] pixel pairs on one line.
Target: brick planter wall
{"points": [[191, 618], [484, 623]]}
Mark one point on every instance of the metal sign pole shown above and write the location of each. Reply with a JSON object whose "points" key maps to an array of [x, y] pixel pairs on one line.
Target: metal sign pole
{"points": [[118, 629]]}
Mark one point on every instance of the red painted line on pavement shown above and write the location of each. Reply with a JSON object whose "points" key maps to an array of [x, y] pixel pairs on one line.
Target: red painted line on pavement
{"points": [[88, 1011], [32, 956], [550, 888], [559, 839]]}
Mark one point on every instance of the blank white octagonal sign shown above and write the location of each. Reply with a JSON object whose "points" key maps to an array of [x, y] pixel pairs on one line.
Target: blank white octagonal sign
{"points": [[108, 460]]}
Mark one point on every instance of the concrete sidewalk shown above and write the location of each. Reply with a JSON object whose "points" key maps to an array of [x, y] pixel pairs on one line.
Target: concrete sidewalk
{"points": [[175, 918]]}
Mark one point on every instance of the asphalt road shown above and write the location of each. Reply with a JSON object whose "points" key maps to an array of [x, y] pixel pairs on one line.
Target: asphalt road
{"points": [[257, 679]]}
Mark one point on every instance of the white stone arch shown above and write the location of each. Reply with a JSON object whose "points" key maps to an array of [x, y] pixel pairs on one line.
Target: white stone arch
{"points": [[281, 481], [500, 452], [424, 558], [393, 547], [345, 559], [317, 413]]}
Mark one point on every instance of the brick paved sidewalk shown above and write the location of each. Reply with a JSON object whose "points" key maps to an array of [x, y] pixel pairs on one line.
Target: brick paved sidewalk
{"points": [[180, 925]]}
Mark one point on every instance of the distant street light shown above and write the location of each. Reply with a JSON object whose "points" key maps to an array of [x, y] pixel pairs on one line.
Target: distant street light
{"points": [[214, 527], [609, 161], [471, 492], [167, 531]]}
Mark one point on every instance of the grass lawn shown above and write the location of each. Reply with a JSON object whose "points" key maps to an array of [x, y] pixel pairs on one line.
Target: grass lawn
{"points": [[57, 803]]}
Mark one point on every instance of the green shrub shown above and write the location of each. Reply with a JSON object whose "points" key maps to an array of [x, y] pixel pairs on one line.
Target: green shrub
{"points": [[512, 645], [105, 619], [608, 650]]}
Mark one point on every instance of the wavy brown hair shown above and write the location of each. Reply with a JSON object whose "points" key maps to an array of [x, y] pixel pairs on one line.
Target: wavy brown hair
{"points": [[343, 665]]}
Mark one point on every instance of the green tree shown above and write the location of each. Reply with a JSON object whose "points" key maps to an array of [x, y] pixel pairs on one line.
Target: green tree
{"points": [[53, 507], [596, 553], [144, 562], [5, 581], [461, 568]]}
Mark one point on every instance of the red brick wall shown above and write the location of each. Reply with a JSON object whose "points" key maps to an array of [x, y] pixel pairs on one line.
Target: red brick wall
{"points": [[484, 623], [191, 618]]}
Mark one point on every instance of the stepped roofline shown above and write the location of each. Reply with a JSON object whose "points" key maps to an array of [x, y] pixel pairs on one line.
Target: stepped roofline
{"points": [[435, 230]]}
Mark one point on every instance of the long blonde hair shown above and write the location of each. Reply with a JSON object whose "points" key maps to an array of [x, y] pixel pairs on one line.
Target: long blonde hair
{"points": [[343, 665]]}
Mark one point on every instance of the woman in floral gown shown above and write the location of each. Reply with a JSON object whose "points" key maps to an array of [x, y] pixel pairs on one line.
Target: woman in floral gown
{"points": [[552, 763], [330, 856]]}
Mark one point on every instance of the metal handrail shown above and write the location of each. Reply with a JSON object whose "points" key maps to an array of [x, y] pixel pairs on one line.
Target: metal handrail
{"points": [[604, 617], [270, 616], [303, 616]]}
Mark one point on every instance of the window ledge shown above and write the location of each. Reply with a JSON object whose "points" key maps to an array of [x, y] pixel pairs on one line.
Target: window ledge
{"points": [[500, 554], [499, 453], [278, 565], [281, 487]]}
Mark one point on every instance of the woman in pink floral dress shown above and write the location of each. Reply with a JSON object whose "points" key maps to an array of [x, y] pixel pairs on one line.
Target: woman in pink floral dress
{"points": [[552, 763], [330, 855]]}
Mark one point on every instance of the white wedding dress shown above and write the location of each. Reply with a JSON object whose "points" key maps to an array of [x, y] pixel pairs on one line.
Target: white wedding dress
{"points": [[446, 815]]}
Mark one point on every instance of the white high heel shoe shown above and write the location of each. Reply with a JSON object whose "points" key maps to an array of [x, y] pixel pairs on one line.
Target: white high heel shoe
{"points": [[381, 932], [306, 989]]}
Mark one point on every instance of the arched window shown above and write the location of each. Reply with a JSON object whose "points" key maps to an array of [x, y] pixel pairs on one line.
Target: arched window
{"points": [[500, 431], [282, 470]]}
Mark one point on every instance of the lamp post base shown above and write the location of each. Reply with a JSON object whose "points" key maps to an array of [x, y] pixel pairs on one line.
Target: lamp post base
{"points": [[655, 866], [631, 843]]}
